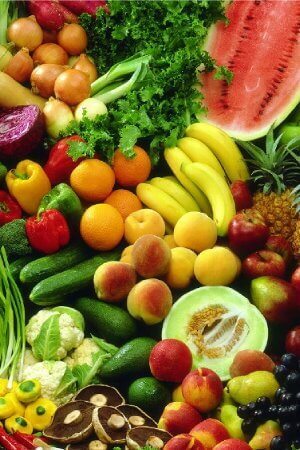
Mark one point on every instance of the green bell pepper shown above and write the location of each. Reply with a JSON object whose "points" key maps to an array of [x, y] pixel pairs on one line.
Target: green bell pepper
{"points": [[64, 199], [3, 172]]}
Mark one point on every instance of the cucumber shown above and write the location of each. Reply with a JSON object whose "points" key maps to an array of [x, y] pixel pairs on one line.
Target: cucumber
{"points": [[17, 265], [70, 280], [44, 267], [109, 322]]}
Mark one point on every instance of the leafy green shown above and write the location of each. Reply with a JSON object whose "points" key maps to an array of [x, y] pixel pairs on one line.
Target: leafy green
{"points": [[67, 385], [48, 341], [87, 374], [106, 347], [157, 111]]}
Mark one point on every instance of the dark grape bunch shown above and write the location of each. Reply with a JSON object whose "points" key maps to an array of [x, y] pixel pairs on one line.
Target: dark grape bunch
{"points": [[286, 409]]}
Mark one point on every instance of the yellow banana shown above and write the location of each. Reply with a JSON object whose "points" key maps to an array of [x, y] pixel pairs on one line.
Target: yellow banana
{"points": [[164, 204], [217, 191], [177, 191], [224, 148], [175, 158], [199, 152]]}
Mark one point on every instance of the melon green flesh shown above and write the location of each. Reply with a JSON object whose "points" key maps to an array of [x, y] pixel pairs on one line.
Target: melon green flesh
{"points": [[255, 333], [260, 47]]}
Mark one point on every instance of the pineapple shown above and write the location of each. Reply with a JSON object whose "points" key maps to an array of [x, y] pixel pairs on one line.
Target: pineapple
{"points": [[276, 170]]}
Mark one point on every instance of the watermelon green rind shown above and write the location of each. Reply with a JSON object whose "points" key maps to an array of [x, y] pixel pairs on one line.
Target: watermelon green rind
{"points": [[174, 325], [260, 47]]}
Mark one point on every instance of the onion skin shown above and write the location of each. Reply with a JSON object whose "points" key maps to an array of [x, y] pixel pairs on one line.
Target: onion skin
{"points": [[72, 87], [87, 66], [57, 115], [73, 38], [92, 108], [50, 54], [20, 66], [25, 32], [43, 79]]}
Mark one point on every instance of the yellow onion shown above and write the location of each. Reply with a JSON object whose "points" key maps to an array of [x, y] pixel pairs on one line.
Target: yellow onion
{"points": [[72, 87], [50, 53], [73, 38], [58, 115], [92, 108], [49, 36], [87, 66], [5, 57], [25, 32], [20, 66], [43, 78]]}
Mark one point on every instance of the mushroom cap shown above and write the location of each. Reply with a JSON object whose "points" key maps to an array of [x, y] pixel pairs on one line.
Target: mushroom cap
{"points": [[141, 436], [72, 422], [97, 393], [92, 443], [110, 425], [133, 413]]}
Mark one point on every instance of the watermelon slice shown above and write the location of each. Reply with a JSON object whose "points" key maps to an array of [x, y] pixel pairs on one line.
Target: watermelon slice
{"points": [[261, 47]]}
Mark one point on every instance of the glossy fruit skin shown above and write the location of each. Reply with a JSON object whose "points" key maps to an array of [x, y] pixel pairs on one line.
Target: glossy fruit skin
{"points": [[247, 232], [278, 244], [241, 195], [295, 280], [292, 341], [262, 263]]}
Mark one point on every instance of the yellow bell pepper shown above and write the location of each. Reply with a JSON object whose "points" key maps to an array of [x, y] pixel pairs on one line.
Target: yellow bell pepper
{"points": [[3, 386], [28, 391], [7, 408], [40, 413], [18, 423], [28, 183], [19, 408]]}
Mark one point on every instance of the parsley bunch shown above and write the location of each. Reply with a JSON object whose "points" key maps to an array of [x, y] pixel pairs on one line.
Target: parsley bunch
{"points": [[157, 110]]}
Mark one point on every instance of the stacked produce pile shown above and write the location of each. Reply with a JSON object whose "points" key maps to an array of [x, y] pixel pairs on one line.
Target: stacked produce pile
{"points": [[150, 250]]}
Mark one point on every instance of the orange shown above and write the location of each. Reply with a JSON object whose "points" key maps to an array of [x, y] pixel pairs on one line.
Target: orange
{"points": [[131, 172], [92, 180], [102, 227], [124, 201]]}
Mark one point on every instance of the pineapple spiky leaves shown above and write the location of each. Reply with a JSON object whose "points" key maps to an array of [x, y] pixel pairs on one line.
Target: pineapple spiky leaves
{"points": [[275, 172]]}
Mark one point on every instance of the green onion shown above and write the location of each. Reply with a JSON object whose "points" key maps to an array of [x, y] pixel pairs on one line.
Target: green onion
{"points": [[12, 322]]}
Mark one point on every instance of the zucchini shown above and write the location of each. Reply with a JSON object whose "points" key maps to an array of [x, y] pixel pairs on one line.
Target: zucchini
{"points": [[70, 280], [49, 265], [17, 265]]}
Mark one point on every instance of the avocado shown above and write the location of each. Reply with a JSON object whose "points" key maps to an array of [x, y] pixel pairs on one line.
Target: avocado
{"points": [[216, 322]]}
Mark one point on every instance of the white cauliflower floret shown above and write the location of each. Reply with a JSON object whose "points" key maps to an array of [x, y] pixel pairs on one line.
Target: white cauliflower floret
{"points": [[83, 354]]}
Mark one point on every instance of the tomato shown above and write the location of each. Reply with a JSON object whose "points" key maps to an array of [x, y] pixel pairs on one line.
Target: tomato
{"points": [[292, 341]]}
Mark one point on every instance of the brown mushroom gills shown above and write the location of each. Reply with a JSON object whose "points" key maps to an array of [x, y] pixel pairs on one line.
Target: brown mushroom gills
{"points": [[136, 416], [100, 395], [140, 436], [110, 425]]}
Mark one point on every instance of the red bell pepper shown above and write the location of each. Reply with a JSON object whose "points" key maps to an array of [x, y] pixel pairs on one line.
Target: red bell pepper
{"points": [[9, 443], [48, 232], [28, 440], [60, 165], [9, 208]]}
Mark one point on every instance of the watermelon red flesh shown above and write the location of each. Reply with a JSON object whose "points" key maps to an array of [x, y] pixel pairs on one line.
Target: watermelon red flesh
{"points": [[260, 47]]}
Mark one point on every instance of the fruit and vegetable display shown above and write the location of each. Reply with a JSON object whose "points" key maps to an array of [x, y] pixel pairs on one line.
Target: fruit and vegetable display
{"points": [[149, 225]]}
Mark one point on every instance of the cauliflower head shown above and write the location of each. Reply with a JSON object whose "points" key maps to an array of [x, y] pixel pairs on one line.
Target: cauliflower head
{"points": [[83, 354], [52, 334]]}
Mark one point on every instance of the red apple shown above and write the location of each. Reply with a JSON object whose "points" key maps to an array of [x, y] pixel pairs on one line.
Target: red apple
{"points": [[295, 280], [276, 299], [292, 341], [263, 262], [241, 195], [247, 232], [280, 245]]}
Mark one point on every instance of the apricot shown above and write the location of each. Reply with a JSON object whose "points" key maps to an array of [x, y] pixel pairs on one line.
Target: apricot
{"points": [[183, 441], [169, 239], [150, 300], [247, 361], [196, 231], [216, 266], [203, 389], [179, 417], [151, 256], [114, 280], [210, 432], [232, 444], [170, 360], [181, 268], [126, 255], [141, 222]]}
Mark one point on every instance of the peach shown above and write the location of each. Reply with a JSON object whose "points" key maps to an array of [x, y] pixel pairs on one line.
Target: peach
{"points": [[196, 231], [150, 300], [181, 268], [183, 442], [170, 360], [232, 444], [216, 266], [169, 239], [203, 389], [114, 280], [143, 221], [177, 394], [126, 255], [210, 432], [179, 417], [247, 361], [151, 256]]}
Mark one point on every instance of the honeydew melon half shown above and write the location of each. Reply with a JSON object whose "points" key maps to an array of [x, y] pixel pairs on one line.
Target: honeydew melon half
{"points": [[216, 322], [261, 47]]}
